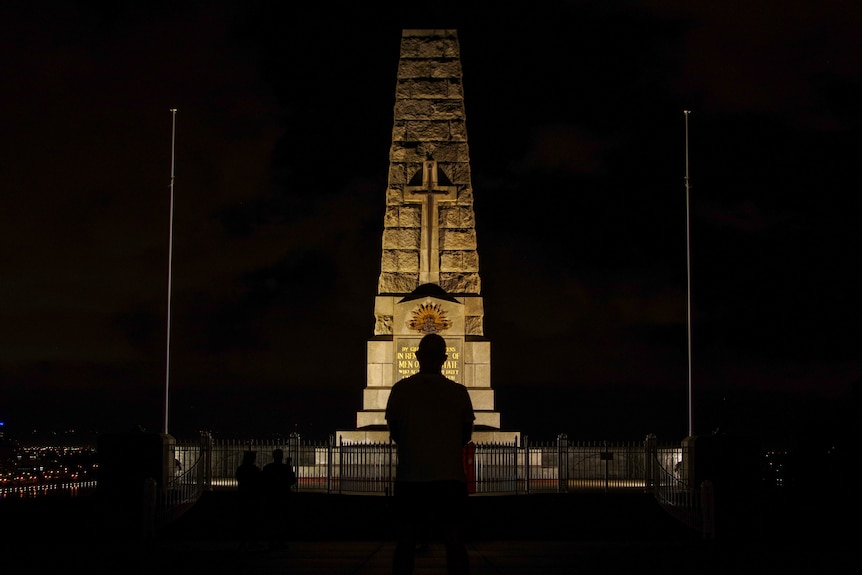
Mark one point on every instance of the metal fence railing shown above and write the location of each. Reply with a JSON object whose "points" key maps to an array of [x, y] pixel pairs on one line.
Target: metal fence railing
{"points": [[492, 469], [187, 481], [669, 476], [505, 468]]}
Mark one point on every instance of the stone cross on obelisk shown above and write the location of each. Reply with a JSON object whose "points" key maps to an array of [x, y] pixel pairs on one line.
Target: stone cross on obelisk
{"points": [[429, 270], [430, 192]]}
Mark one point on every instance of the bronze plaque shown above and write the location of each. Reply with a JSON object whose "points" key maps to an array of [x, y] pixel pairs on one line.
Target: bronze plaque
{"points": [[406, 363]]}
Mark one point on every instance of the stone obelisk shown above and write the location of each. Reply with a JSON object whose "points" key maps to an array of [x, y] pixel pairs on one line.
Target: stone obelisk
{"points": [[429, 271]]}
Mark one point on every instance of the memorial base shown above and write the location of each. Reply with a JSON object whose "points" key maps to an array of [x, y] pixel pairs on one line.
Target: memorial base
{"points": [[493, 436]]}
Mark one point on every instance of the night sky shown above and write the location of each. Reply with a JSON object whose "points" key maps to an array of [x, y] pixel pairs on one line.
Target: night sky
{"points": [[577, 145]]}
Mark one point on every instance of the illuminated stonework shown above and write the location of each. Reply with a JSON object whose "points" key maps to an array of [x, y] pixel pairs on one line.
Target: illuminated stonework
{"points": [[429, 233], [429, 268], [429, 318]]}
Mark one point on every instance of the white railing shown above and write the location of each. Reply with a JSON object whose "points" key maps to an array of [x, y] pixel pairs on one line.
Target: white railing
{"points": [[369, 468]]}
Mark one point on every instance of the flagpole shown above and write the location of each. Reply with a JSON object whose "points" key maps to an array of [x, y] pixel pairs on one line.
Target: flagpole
{"points": [[688, 274], [170, 263]]}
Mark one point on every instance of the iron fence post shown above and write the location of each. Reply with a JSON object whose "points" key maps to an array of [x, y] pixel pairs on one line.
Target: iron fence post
{"points": [[649, 462], [605, 448], [207, 455], [562, 464], [329, 448], [294, 443]]}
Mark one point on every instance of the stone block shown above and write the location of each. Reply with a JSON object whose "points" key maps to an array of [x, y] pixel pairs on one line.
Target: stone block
{"points": [[450, 216], [423, 88], [474, 376], [458, 130], [398, 132], [410, 216], [450, 262], [383, 376], [382, 324], [474, 325], [400, 261], [460, 282], [408, 261], [451, 110], [425, 131], [391, 216], [368, 418], [425, 109], [384, 304], [380, 352], [389, 261], [459, 261], [375, 398], [487, 418], [412, 109], [410, 69], [468, 374], [482, 377], [404, 154], [450, 155], [457, 239], [483, 399], [447, 69], [401, 238], [393, 196], [474, 305], [477, 352], [397, 283], [374, 373], [397, 175], [465, 197], [429, 43], [461, 174]]}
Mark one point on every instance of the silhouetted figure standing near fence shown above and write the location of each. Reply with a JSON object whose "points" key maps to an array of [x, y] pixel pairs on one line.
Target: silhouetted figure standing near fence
{"points": [[278, 477], [248, 481], [430, 418]]}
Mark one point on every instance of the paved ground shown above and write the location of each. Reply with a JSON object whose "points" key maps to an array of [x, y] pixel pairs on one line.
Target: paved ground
{"points": [[602, 534]]}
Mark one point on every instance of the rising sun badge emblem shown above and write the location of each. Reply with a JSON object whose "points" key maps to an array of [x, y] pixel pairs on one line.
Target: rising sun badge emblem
{"points": [[429, 318]]}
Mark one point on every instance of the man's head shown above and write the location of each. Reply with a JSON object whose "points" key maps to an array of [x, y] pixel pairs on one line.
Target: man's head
{"points": [[277, 455], [431, 353]]}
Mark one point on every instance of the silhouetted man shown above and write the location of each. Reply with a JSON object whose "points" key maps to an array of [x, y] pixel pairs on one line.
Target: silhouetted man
{"points": [[277, 478], [248, 476], [430, 419]]}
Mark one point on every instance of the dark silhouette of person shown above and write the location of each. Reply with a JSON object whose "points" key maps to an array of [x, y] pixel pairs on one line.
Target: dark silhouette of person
{"points": [[430, 419], [248, 480], [278, 477]]}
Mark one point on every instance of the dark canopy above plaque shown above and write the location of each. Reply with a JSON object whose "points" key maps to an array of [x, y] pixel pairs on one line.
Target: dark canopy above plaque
{"points": [[429, 290]]}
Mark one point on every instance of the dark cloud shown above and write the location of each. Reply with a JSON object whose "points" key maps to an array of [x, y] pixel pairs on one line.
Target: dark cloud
{"points": [[576, 129]]}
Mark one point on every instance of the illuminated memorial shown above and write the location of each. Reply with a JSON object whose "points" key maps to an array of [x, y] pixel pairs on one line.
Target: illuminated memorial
{"points": [[429, 272]]}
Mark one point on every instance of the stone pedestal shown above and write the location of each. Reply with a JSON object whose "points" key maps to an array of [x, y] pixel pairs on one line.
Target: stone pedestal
{"points": [[382, 436]]}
